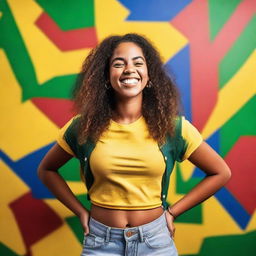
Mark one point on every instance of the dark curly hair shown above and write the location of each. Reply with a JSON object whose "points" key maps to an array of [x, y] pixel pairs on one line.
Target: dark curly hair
{"points": [[95, 103]]}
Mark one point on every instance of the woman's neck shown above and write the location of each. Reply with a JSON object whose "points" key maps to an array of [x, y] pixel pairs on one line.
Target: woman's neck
{"points": [[127, 111]]}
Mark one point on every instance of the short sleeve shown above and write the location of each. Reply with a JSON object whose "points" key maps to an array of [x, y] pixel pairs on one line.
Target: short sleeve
{"points": [[191, 137], [61, 139]]}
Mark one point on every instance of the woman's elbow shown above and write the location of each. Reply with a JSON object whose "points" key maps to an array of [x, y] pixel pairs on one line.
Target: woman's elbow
{"points": [[226, 174], [40, 172], [43, 171]]}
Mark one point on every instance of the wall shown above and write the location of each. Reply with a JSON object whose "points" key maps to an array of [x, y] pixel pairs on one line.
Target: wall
{"points": [[208, 46]]}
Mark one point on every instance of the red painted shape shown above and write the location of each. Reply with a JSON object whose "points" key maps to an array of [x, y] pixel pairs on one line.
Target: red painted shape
{"points": [[206, 55], [234, 27], [67, 40], [34, 218], [242, 161], [58, 110]]}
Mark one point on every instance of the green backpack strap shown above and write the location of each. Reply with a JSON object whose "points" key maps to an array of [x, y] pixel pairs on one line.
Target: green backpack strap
{"points": [[171, 151], [89, 179], [81, 151]]}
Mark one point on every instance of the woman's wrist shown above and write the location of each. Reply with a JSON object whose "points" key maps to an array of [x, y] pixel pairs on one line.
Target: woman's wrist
{"points": [[171, 213], [83, 212]]}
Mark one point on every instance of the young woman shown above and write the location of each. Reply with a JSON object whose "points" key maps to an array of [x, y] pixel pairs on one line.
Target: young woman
{"points": [[127, 136]]}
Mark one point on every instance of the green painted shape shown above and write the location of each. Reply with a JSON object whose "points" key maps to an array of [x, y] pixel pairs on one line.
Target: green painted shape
{"points": [[74, 222], [238, 53], [12, 43], [219, 13], [5, 251], [71, 170], [194, 215], [69, 14], [83, 199], [15, 49], [245, 123], [57, 87], [76, 227], [235, 245], [183, 187]]}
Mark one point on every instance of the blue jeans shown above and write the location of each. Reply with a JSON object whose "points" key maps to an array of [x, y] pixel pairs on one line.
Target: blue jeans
{"points": [[150, 239]]}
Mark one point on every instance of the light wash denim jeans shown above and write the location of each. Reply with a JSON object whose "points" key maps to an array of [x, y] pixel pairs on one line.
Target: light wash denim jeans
{"points": [[150, 239]]}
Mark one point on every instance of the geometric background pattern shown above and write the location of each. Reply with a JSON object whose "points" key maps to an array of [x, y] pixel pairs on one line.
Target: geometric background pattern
{"points": [[209, 47]]}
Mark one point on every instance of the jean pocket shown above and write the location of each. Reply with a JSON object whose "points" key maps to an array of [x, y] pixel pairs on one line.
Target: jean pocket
{"points": [[93, 241], [159, 240]]}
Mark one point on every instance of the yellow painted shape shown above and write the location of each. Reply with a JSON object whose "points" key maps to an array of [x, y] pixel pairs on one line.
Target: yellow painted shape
{"points": [[59, 208], [187, 169], [60, 242], [231, 98], [11, 189], [12, 186], [239, 90], [77, 188], [164, 36], [24, 128], [48, 60], [216, 222], [252, 223]]}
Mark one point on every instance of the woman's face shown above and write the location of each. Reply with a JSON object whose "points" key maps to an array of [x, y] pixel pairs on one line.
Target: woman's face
{"points": [[128, 70]]}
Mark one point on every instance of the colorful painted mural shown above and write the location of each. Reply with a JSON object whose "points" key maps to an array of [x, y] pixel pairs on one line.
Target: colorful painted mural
{"points": [[208, 47]]}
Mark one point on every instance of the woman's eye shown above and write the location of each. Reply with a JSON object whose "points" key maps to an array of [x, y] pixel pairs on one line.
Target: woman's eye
{"points": [[117, 65], [138, 64]]}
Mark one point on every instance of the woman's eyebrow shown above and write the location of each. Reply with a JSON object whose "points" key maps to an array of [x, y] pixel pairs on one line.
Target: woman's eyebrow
{"points": [[138, 57], [117, 58], [122, 59]]}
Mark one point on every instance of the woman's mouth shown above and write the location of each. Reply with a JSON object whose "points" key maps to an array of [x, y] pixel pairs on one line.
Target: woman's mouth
{"points": [[129, 81]]}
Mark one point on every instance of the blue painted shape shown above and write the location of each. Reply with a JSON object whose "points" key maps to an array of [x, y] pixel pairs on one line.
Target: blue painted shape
{"points": [[213, 141], [224, 196], [233, 207], [154, 10], [179, 69], [26, 169]]}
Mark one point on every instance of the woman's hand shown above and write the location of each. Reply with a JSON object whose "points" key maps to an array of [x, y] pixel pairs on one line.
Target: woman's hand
{"points": [[170, 223], [84, 219]]}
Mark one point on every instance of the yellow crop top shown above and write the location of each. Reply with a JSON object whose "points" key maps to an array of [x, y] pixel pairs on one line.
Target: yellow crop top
{"points": [[128, 165]]}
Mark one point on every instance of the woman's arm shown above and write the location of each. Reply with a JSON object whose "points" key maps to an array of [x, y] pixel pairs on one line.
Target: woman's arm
{"points": [[48, 173], [217, 175]]}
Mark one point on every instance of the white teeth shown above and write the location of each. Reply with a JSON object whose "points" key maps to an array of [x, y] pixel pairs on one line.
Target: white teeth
{"points": [[130, 81]]}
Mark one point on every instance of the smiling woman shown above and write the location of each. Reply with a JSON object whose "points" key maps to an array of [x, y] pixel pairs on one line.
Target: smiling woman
{"points": [[128, 71], [127, 137], [128, 76]]}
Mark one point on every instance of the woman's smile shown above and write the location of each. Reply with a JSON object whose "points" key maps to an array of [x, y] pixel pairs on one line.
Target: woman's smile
{"points": [[129, 81]]}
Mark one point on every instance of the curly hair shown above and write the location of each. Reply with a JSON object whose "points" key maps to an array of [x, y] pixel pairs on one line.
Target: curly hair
{"points": [[95, 103]]}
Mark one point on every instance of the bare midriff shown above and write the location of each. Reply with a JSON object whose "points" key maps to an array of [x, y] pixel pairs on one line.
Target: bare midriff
{"points": [[124, 218]]}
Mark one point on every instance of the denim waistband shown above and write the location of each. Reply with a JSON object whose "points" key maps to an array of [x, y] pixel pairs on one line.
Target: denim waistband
{"points": [[132, 233]]}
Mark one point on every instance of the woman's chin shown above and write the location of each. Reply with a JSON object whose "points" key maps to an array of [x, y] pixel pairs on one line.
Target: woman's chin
{"points": [[131, 93]]}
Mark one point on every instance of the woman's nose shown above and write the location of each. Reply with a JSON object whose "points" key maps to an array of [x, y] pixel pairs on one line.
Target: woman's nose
{"points": [[129, 69]]}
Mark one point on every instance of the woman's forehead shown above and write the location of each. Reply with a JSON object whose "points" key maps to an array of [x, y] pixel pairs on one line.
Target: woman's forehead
{"points": [[127, 49]]}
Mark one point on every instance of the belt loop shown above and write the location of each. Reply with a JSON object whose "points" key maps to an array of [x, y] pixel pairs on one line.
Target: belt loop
{"points": [[107, 234], [141, 234]]}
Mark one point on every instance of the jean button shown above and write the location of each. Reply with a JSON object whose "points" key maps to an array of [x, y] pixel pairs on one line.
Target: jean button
{"points": [[130, 233]]}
